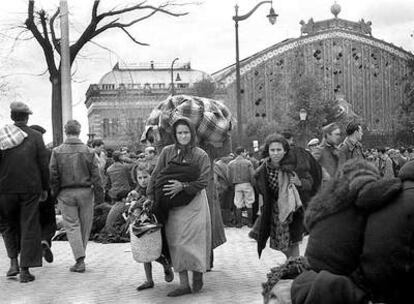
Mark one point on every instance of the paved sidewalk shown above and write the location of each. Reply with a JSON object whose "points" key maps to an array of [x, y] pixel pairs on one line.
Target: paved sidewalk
{"points": [[112, 276]]}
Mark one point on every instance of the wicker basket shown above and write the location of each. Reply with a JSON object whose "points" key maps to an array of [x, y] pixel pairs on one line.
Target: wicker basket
{"points": [[146, 248]]}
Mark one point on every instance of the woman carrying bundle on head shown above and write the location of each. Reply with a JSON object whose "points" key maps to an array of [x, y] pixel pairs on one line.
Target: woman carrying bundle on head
{"points": [[182, 171]]}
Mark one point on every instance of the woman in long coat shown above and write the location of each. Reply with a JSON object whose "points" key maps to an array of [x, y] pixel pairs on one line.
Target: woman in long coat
{"points": [[284, 236], [188, 227]]}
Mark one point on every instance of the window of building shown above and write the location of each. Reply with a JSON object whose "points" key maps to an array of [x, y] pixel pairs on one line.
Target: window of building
{"points": [[183, 85], [105, 128], [114, 130]]}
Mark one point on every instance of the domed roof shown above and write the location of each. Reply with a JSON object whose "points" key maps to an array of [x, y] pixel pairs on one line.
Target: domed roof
{"points": [[142, 74]]}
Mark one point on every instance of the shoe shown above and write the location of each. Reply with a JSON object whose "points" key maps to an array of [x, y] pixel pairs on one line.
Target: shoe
{"points": [[14, 269], [253, 235], [180, 291], [145, 285], [78, 267], [197, 281], [168, 275], [26, 276], [46, 252]]}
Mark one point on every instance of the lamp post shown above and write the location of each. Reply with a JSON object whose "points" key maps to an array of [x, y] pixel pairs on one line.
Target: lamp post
{"points": [[172, 77], [303, 114], [272, 19]]}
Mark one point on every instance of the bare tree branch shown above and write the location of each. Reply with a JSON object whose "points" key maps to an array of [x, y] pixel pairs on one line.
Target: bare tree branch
{"points": [[55, 41], [121, 11], [133, 39], [47, 49]]}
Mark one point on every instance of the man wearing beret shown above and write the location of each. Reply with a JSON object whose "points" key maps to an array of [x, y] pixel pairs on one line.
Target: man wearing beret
{"points": [[24, 178]]}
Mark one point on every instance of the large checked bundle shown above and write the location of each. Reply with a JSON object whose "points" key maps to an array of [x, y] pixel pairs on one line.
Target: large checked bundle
{"points": [[211, 118]]}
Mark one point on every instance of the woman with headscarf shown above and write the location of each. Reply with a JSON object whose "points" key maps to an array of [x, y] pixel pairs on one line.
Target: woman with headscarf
{"points": [[188, 226]]}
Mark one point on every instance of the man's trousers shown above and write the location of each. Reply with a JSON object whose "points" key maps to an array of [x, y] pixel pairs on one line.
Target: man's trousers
{"points": [[76, 205], [47, 219], [22, 234]]}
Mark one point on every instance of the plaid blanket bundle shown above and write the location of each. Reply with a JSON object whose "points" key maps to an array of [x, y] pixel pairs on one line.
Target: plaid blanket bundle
{"points": [[11, 136], [211, 118]]}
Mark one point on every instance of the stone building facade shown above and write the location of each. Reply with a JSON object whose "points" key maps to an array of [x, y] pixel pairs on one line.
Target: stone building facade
{"points": [[122, 100], [342, 55]]}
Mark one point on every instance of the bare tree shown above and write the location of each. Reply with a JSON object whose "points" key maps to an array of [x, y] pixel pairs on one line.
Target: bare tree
{"points": [[42, 27]]}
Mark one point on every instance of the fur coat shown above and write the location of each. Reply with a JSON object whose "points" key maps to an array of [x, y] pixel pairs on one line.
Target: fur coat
{"points": [[336, 217]]}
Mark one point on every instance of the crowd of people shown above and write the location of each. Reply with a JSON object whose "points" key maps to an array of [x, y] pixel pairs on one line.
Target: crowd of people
{"points": [[334, 191]]}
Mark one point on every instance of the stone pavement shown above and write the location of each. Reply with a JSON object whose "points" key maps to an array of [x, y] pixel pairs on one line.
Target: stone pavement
{"points": [[112, 276]]}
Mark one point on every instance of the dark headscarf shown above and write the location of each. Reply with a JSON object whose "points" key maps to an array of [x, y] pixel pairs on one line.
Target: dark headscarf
{"points": [[184, 150]]}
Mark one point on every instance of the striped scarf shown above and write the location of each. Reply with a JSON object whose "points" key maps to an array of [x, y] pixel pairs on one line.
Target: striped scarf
{"points": [[11, 136]]}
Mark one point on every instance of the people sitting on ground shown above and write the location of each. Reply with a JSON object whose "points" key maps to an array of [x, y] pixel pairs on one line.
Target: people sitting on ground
{"points": [[119, 178], [116, 224]]}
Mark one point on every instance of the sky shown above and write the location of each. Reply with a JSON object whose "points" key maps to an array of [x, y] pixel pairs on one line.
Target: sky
{"points": [[205, 37]]}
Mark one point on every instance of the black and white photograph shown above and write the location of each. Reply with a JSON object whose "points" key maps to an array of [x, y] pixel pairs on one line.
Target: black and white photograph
{"points": [[206, 151]]}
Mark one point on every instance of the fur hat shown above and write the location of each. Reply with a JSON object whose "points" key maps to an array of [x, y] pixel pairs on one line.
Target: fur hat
{"points": [[360, 173], [341, 191], [407, 171]]}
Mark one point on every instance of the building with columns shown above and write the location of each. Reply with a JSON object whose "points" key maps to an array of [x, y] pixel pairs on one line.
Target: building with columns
{"points": [[342, 55], [122, 100]]}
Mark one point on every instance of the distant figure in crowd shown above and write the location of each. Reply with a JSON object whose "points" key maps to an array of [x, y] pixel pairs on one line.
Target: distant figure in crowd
{"points": [[118, 177], [47, 214], [24, 178], [312, 145], [224, 189], [280, 169], [385, 164], [150, 158], [73, 172], [99, 148], [241, 174], [188, 228], [327, 154], [352, 147]]}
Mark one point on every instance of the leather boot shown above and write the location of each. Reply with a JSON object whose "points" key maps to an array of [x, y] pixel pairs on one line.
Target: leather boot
{"points": [[238, 213], [250, 217], [14, 268], [26, 276], [79, 265]]}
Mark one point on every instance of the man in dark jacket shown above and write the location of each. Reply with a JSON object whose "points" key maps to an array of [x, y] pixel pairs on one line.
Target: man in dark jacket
{"points": [[23, 178], [327, 153], [73, 172], [352, 147], [47, 214]]}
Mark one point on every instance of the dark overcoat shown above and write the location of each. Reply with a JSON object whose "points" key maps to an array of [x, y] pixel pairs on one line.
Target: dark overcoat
{"points": [[24, 169]]}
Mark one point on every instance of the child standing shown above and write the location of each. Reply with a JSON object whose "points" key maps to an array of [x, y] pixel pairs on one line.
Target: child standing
{"points": [[142, 178]]}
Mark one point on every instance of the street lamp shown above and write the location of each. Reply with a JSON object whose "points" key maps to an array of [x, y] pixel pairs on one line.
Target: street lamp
{"points": [[172, 76], [272, 16]]}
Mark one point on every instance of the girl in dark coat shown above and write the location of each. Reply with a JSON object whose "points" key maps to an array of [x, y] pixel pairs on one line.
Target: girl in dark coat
{"points": [[284, 236]]}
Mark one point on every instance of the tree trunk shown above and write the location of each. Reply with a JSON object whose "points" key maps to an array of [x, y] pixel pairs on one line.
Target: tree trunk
{"points": [[56, 110]]}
